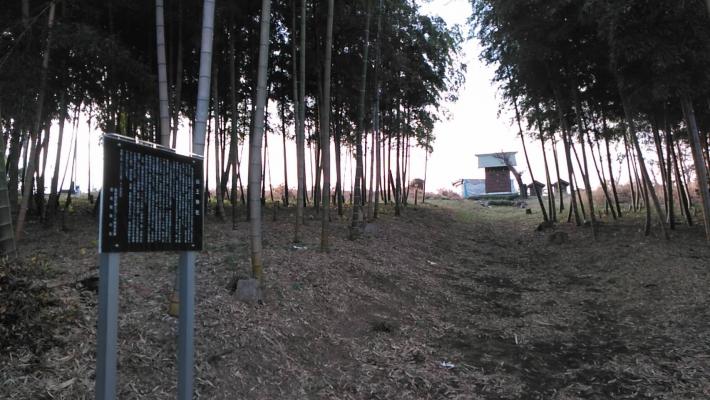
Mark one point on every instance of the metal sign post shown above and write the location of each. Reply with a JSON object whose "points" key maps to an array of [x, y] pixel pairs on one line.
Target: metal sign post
{"points": [[107, 327], [186, 327], [151, 201]]}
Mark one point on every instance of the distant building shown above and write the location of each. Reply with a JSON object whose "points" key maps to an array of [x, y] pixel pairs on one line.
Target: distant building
{"points": [[531, 188], [471, 187], [497, 174], [564, 183], [497, 170]]}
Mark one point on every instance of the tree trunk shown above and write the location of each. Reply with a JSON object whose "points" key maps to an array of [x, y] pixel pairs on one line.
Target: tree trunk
{"points": [[29, 171], [162, 74], [39, 195], [325, 130], [264, 161], [669, 167], [72, 178], [585, 171], [53, 196], [88, 162], [255, 177], [550, 193], [527, 161], [318, 169], [644, 173], [661, 162], [378, 162], [13, 161], [700, 169], [283, 137], [371, 192], [560, 188], [177, 99], [300, 128], [611, 178], [647, 220], [573, 207], [219, 207], [234, 139], [631, 173], [390, 182], [357, 215], [376, 112], [682, 195], [338, 172]]}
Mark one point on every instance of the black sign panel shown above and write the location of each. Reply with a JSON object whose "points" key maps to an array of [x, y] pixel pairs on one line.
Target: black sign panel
{"points": [[151, 199]]}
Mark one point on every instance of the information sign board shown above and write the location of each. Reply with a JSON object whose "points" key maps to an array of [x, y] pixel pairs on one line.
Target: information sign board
{"points": [[151, 198]]}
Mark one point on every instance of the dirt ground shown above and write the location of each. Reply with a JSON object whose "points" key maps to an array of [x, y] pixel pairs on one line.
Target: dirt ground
{"points": [[451, 300]]}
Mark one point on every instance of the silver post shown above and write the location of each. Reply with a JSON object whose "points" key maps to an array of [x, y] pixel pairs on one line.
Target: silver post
{"points": [[107, 327], [186, 327]]}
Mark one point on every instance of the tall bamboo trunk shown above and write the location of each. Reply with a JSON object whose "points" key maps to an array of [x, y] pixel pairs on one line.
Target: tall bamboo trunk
{"points": [[371, 192], [88, 161], [682, 195], [366, 163], [300, 128], [602, 175], [611, 178], [631, 173], [29, 171], [388, 177], [53, 196], [234, 138], [255, 232], [13, 161], [644, 173], [550, 193], [72, 174], [397, 179], [669, 180], [219, 208], [376, 113], [527, 161], [700, 168], [583, 131], [325, 130], [338, 171], [177, 95], [358, 219], [661, 162], [572, 184], [162, 74], [39, 198], [318, 172], [378, 162], [566, 139], [264, 162], [283, 142], [560, 188]]}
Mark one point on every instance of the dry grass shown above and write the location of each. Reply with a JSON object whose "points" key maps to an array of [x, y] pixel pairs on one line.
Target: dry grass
{"points": [[379, 318]]}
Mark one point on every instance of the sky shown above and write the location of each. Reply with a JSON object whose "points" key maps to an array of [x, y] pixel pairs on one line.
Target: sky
{"points": [[476, 125]]}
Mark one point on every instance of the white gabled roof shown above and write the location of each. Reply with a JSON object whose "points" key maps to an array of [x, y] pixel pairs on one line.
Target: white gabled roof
{"points": [[492, 160]]}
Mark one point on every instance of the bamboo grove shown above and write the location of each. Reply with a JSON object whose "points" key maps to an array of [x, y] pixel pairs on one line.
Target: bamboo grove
{"points": [[591, 73], [313, 72]]}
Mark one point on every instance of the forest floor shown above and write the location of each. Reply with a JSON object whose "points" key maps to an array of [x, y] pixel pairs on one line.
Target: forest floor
{"points": [[450, 300]]}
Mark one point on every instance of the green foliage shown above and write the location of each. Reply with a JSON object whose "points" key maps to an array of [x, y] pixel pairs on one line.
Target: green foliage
{"points": [[557, 56], [103, 59]]}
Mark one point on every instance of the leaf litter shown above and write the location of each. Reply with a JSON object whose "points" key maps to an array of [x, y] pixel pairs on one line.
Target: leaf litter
{"points": [[500, 314]]}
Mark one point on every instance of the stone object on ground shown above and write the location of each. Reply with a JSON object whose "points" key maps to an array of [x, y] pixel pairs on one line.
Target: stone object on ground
{"points": [[370, 229], [248, 290]]}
